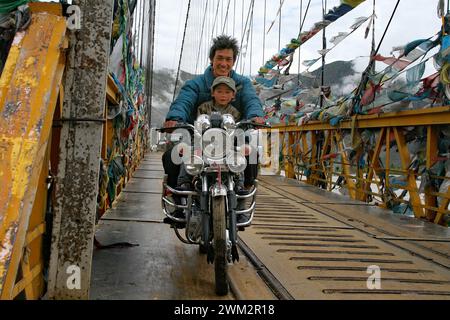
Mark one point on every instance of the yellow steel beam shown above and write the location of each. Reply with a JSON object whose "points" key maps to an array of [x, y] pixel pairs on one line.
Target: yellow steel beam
{"points": [[411, 180], [36, 227], [112, 91], [27, 101], [375, 163], [312, 179], [28, 278], [346, 166], [387, 162], [442, 208], [45, 7], [288, 156], [324, 152], [421, 117], [390, 130], [432, 153]]}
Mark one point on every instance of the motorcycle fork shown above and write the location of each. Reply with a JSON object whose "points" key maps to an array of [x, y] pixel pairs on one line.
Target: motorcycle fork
{"points": [[232, 203], [206, 217]]}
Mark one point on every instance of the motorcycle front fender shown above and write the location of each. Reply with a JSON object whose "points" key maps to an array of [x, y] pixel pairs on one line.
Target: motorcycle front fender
{"points": [[218, 190]]}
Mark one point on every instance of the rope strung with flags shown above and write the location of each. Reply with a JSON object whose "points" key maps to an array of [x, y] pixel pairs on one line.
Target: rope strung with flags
{"points": [[336, 40], [280, 59]]}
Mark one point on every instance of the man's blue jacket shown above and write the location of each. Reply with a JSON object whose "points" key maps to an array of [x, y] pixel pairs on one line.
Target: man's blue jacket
{"points": [[198, 90]]}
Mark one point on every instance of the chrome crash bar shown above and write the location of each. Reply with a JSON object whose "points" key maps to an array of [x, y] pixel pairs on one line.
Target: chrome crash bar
{"points": [[251, 209], [165, 201]]}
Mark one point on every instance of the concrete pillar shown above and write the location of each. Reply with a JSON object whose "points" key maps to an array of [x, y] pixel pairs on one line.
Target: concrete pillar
{"points": [[80, 151]]}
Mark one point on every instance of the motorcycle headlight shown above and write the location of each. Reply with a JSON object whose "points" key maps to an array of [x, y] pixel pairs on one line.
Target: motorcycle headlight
{"points": [[194, 166], [236, 162], [228, 122], [215, 142], [203, 122]]}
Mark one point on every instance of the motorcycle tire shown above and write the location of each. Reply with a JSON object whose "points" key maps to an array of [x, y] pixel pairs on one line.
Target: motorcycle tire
{"points": [[202, 249], [220, 245]]}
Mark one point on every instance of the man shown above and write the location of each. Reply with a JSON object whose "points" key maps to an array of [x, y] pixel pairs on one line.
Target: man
{"points": [[222, 55]]}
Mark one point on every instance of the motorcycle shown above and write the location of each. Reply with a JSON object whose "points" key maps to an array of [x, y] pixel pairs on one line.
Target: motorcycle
{"points": [[216, 209]]}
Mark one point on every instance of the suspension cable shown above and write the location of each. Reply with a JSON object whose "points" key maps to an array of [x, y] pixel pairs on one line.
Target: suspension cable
{"points": [[251, 42], [365, 75], [150, 62], [181, 52], [291, 56], [243, 33], [142, 34], [226, 17], [299, 53], [387, 27], [279, 26], [275, 19], [242, 20], [302, 21], [201, 36], [220, 15], [252, 6], [324, 46], [264, 33], [373, 34], [234, 16], [215, 19]]}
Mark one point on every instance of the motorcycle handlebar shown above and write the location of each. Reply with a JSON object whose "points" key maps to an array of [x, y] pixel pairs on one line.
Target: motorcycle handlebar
{"points": [[178, 126], [253, 124], [191, 127]]}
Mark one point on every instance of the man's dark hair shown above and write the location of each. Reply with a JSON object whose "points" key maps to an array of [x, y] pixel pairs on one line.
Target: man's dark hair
{"points": [[224, 42]]}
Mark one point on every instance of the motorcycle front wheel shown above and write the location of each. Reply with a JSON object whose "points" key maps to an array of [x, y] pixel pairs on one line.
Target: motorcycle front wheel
{"points": [[202, 249], [220, 245]]}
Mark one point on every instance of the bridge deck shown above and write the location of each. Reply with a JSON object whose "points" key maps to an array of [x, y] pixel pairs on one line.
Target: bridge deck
{"points": [[319, 246], [307, 243], [161, 267]]}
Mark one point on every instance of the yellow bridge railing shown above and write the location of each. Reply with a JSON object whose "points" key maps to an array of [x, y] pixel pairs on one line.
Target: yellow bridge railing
{"points": [[331, 156], [29, 88]]}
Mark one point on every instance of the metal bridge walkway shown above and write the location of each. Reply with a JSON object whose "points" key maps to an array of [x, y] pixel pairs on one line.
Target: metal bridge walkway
{"points": [[319, 245], [161, 267], [305, 243]]}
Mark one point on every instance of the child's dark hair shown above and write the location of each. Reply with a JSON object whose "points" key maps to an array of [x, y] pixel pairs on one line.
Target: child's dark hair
{"points": [[224, 42]]}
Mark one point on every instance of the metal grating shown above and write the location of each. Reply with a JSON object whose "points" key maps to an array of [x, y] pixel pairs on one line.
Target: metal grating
{"points": [[315, 256]]}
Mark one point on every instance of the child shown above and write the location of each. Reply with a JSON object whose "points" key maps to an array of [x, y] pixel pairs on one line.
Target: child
{"points": [[223, 91]]}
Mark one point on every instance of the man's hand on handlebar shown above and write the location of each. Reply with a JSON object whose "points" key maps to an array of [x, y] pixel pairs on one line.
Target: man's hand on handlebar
{"points": [[259, 120], [170, 124]]}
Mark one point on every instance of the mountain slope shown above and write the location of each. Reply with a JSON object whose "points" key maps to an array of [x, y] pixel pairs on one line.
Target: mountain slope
{"points": [[340, 75]]}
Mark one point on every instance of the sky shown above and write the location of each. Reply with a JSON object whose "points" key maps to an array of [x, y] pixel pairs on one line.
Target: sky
{"points": [[414, 19]]}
